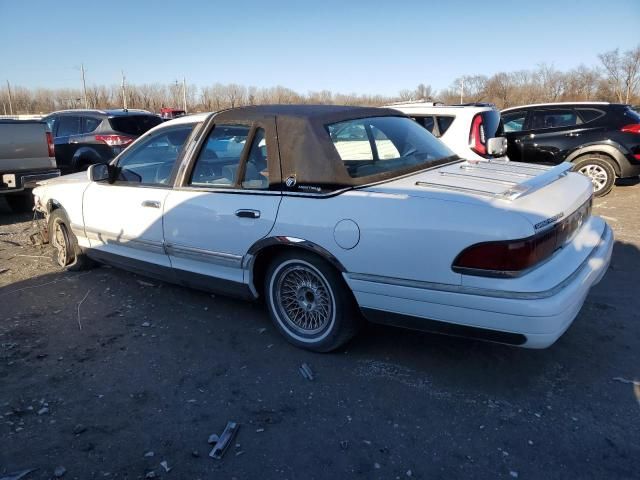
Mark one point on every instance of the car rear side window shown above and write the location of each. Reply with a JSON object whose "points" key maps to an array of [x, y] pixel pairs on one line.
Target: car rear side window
{"points": [[514, 121], [256, 171], [554, 118], [134, 124], [427, 122], [68, 125], [379, 145], [589, 114], [219, 160], [443, 124], [151, 162], [89, 124]]}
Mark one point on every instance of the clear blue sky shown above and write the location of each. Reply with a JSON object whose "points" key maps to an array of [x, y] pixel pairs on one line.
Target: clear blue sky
{"points": [[366, 46]]}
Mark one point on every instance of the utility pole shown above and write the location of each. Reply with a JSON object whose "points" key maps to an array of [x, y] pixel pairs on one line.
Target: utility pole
{"points": [[84, 86], [124, 92], [184, 94], [461, 89], [10, 101]]}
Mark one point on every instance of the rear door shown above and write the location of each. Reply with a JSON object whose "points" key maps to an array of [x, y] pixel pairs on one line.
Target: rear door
{"points": [[226, 201], [515, 130], [555, 132]]}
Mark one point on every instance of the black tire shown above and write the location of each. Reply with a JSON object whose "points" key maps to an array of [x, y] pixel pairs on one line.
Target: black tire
{"points": [[68, 254], [20, 202], [600, 169], [326, 312]]}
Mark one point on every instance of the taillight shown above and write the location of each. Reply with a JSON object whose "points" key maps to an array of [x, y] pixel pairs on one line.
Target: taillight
{"points": [[632, 128], [114, 140], [511, 258], [50, 146], [477, 140]]}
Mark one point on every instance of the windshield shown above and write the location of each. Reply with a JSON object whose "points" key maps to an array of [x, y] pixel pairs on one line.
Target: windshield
{"points": [[375, 145]]}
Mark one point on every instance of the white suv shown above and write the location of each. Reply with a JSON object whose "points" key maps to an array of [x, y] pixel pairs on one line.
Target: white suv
{"points": [[466, 129]]}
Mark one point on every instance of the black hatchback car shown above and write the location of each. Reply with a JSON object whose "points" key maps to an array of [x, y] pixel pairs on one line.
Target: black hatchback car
{"points": [[84, 137], [601, 139]]}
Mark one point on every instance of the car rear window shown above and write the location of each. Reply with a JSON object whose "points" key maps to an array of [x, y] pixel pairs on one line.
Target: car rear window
{"points": [[632, 114], [376, 145], [492, 123], [134, 124]]}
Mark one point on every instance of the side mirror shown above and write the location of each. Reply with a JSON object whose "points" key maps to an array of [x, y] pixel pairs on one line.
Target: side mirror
{"points": [[98, 172], [497, 146]]}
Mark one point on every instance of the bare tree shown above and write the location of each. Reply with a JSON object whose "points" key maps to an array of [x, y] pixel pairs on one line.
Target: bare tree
{"points": [[623, 72]]}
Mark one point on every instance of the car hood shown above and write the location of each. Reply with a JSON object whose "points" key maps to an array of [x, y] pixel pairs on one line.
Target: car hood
{"points": [[539, 193]]}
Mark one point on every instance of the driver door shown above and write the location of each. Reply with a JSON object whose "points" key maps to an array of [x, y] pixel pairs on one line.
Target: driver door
{"points": [[123, 220]]}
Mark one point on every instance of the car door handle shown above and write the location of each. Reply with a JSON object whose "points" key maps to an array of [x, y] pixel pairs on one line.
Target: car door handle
{"points": [[248, 213], [151, 204]]}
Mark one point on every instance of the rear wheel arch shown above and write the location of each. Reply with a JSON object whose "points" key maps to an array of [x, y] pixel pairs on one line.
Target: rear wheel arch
{"points": [[608, 153], [262, 253]]}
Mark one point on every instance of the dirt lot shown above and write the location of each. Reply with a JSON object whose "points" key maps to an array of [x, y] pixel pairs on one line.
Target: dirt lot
{"points": [[100, 368]]}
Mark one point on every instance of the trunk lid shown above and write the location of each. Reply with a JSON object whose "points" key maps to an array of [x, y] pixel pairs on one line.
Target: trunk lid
{"points": [[540, 193]]}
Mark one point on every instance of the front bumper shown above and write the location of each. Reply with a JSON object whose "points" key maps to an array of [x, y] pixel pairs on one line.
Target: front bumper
{"points": [[533, 320], [19, 181]]}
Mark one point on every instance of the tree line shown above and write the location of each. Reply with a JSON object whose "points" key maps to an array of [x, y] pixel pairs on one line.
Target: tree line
{"points": [[616, 78]]}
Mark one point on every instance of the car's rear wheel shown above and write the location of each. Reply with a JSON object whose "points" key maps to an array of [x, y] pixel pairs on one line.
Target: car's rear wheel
{"points": [[600, 171], [20, 202], [309, 302], [67, 254]]}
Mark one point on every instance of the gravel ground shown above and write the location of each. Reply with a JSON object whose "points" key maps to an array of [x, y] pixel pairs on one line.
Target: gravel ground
{"points": [[108, 375]]}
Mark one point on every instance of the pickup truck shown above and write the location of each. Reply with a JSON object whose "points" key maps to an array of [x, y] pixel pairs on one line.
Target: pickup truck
{"points": [[26, 157]]}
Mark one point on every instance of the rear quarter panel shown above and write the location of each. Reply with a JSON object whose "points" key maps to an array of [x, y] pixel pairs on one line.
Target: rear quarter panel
{"points": [[400, 236]]}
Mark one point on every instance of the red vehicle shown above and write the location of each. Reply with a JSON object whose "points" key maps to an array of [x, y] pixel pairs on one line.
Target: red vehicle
{"points": [[167, 113]]}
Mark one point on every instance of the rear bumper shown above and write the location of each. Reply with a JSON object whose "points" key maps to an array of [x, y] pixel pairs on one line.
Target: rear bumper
{"points": [[11, 182], [531, 319]]}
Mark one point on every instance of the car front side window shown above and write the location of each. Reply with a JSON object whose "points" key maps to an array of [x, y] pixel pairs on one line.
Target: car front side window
{"points": [[151, 162]]}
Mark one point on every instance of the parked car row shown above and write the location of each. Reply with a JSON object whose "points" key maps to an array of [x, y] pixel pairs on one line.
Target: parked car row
{"points": [[333, 215]]}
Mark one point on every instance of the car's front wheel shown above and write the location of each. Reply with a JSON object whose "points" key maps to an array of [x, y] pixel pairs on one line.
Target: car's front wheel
{"points": [[599, 170], [67, 254], [309, 302]]}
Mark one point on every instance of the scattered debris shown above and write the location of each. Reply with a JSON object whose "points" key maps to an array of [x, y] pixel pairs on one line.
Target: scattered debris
{"points": [[376, 466], [239, 453], [409, 473], [195, 454], [149, 454], [165, 465], [83, 299], [213, 438], [306, 372], [366, 442], [146, 284], [79, 428], [17, 475], [344, 444], [259, 430], [224, 441], [43, 410], [262, 330], [59, 472], [146, 324], [150, 474], [513, 474]]}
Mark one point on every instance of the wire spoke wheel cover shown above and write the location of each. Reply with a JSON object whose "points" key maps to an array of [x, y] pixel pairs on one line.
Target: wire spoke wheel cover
{"points": [[303, 300], [597, 174]]}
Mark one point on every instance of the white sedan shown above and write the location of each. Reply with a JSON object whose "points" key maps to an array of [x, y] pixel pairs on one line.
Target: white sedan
{"points": [[290, 204]]}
